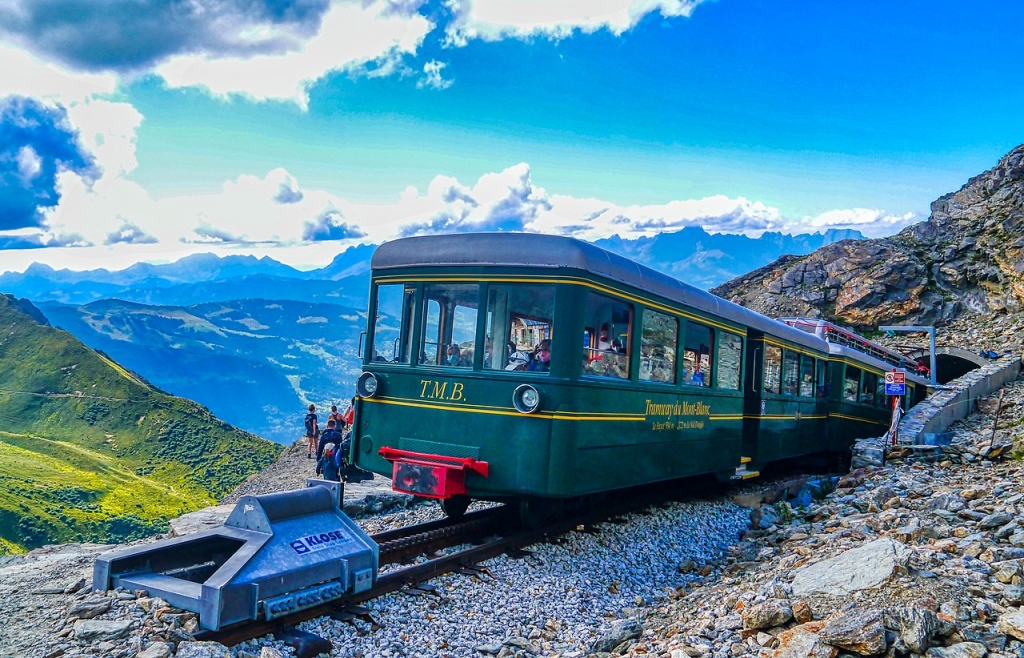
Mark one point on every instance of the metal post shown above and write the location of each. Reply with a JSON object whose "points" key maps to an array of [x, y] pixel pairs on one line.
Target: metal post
{"points": [[931, 342], [931, 347]]}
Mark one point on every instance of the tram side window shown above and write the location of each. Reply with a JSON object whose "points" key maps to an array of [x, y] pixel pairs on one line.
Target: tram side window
{"points": [[772, 368], [606, 340], [730, 358], [448, 335], [881, 399], [806, 377], [790, 372], [518, 321], [658, 347], [697, 355], [869, 388], [392, 324], [821, 385], [851, 383]]}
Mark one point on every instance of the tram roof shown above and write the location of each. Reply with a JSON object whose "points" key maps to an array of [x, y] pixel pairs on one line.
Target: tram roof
{"points": [[552, 251]]}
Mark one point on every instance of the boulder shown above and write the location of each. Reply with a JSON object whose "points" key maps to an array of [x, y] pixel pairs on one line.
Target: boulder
{"points": [[858, 568], [962, 650], [622, 631], [916, 626], [860, 631], [773, 612], [93, 606], [803, 642], [101, 629], [156, 650], [1012, 624]]}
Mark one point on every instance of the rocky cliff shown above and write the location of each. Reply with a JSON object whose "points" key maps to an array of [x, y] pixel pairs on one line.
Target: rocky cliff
{"points": [[968, 257]]}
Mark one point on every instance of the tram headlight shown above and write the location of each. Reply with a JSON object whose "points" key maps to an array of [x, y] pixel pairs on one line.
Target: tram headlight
{"points": [[367, 385], [526, 399]]}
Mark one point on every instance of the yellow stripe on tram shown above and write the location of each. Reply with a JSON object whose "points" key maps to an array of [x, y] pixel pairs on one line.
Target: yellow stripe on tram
{"points": [[499, 411]]}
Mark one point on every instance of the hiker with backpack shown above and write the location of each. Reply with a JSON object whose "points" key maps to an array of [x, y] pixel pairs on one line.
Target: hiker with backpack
{"points": [[338, 419], [331, 453], [312, 431]]}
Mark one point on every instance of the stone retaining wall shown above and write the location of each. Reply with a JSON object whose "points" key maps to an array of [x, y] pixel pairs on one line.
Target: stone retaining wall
{"points": [[944, 407]]}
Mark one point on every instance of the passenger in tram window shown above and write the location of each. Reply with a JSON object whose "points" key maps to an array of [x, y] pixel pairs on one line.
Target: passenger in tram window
{"points": [[617, 347], [603, 342], [540, 358], [453, 355], [690, 367]]}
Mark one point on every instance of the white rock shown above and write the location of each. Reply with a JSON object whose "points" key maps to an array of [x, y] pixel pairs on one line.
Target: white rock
{"points": [[859, 568]]}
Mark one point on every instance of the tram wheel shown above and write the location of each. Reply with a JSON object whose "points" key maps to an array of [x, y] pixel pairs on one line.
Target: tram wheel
{"points": [[535, 512], [456, 506]]}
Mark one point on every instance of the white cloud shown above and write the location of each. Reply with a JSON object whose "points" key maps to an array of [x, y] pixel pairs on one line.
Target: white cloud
{"points": [[21, 74], [870, 221], [432, 76], [497, 19], [246, 216], [350, 35], [29, 164]]}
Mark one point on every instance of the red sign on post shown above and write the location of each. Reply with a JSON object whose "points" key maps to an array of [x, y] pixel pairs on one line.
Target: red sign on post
{"points": [[895, 382]]}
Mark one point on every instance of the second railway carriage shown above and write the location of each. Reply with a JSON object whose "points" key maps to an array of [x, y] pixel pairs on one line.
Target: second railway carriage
{"points": [[528, 367]]}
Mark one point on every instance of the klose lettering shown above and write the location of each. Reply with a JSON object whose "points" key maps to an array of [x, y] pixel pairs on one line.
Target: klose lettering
{"points": [[318, 542]]}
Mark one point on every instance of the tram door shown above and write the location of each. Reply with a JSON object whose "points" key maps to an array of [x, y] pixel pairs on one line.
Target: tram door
{"points": [[752, 383]]}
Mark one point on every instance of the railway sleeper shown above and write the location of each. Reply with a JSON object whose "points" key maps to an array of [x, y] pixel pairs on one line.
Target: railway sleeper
{"points": [[477, 572]]}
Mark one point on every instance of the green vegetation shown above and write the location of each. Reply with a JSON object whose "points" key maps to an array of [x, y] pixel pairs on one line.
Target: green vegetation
{"points": [[90, 452]]}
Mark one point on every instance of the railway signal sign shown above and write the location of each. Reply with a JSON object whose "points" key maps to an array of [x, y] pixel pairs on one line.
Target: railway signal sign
{"points": [[896, 382]]}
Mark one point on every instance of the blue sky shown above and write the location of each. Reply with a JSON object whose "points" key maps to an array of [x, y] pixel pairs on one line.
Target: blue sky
{"points": [[295, 128]]}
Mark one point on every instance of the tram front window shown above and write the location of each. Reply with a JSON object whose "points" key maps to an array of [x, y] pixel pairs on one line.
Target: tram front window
{"points": [[518, 321], [392, 325], [448, 325]]}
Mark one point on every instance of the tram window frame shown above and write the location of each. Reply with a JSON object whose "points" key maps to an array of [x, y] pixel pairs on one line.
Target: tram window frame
{"points": [[442, 329], [806, 383], [821, 381], [612, 315], [790, 373], [514, 311], [401, 350], [772, 371], [855, 389], [728, 378], [659, 332], [868, 388], [697, 337]]}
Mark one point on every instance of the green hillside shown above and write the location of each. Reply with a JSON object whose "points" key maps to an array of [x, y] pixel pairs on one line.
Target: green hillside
{"points": [[90, 452]]}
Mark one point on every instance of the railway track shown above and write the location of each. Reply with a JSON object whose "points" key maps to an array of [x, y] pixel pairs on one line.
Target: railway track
{"points": [[477, 537]]}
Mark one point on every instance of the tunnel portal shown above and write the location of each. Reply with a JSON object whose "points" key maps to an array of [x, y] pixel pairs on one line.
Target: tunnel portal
{"points": [[950, 362]]}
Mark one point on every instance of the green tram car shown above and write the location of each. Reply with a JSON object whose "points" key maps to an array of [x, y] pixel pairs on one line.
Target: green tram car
{"points": [[525, 368]]}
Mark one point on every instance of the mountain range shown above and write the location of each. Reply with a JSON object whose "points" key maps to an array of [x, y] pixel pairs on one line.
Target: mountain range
{"points": [[91, 451], [253, 362]]}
